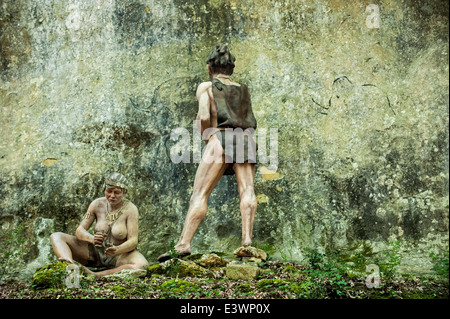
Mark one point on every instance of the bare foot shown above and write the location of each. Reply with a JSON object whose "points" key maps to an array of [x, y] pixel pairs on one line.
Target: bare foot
{"points": [[170, 255], [246, 243], [87, 270], [70, 261], [183, 249]]}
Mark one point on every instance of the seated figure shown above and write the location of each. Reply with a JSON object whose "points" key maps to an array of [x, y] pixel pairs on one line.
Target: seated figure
{"points": [[113, 245]]}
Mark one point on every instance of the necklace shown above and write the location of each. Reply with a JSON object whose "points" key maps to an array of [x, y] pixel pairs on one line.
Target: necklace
{"points": [[111, 216], [223, 76]]}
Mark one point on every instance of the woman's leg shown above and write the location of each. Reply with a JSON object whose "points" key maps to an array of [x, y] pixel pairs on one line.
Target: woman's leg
{"points": [[69, 248]]}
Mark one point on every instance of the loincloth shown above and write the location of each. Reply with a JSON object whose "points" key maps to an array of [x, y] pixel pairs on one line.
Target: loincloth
{"points": [[239, 147], [98, 258]]}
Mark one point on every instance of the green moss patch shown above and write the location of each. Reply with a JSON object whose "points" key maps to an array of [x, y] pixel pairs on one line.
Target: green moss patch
{"points": [[50, 276]]}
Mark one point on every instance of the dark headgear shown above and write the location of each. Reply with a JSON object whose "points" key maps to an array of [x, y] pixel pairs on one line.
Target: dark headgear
{"points": [[221, 59]]}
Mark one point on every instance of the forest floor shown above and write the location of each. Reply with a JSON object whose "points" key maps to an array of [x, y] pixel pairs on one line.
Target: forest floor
{"points": [[276, 280]]}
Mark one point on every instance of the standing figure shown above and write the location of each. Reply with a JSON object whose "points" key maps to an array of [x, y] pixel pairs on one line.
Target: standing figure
{"points": [[224, 107], [115, 238]]}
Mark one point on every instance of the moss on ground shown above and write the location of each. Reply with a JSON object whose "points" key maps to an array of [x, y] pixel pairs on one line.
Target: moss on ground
{"points": [[322, 278], [50, 276]]}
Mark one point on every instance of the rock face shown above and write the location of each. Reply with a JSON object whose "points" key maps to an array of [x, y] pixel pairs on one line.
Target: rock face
{"points": [[355, 95]]}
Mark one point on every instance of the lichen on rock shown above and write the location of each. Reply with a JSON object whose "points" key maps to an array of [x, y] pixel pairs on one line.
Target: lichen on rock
{"points": [[243, 271], [249, 251], [212, 260]]}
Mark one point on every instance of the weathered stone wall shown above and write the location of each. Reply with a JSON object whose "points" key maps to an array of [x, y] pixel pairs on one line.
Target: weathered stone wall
{"points": [[90, 87]]}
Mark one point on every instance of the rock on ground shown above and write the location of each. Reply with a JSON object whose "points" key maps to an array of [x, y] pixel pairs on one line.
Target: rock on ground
{"points": [[242, 271], [250, 251]]}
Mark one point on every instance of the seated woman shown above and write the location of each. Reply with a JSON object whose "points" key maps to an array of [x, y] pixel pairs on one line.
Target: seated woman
{"points": [[114, 242]]}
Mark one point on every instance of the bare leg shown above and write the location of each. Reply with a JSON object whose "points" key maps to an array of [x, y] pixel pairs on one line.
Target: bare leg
{"points": [[69, 248], [109, 271], [206, 178], [245, 174]]}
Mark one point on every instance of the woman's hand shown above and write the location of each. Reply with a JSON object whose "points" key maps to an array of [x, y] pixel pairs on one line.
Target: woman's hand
{"points": [[111, 250], [99, 237]]}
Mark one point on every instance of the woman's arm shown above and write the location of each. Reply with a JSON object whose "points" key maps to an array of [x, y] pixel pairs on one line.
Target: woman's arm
{"points": [[82, 231]]}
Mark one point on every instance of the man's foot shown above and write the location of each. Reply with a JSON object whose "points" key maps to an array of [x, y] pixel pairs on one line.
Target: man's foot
{"points": [[167, 256]]}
